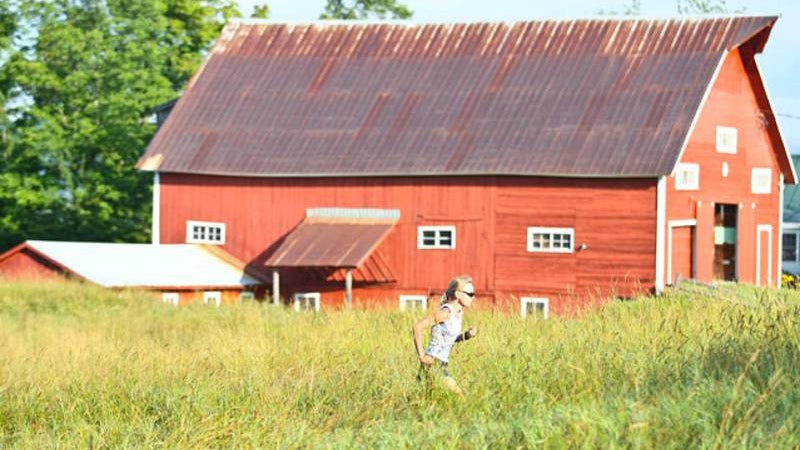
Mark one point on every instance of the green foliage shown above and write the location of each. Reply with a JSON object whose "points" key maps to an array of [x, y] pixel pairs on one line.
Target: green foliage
{"points": [[632, 8], [85, 367], [705, 7], [788, 280], [79, 80], [365, 9], [260, 12]]}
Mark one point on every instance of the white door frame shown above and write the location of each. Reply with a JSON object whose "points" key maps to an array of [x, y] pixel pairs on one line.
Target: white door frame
{"points": [[759, 229], [675, 224]]}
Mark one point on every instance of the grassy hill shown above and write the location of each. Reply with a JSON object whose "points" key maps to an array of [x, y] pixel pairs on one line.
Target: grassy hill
{"points": [[82, 367]]}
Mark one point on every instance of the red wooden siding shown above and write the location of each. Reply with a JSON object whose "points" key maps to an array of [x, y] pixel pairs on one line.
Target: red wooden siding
{"points": [[735, 100], [187, 297], [615, 218], [26, 265], [682, 245]]}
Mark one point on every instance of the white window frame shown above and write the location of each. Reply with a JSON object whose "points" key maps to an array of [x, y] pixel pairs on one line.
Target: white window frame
{"points": [[215, 296], [551, 231], [191, 224], [730, 146], [755, 174], [246, 296], [680, 184], [796, 233], [405, 299], [525, 301], [173, 298], [299, 296], [437, 229]]}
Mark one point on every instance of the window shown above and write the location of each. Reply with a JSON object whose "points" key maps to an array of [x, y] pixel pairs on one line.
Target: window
{"points": [[205, 232], [790, 240], [436, 237], [551, 240], [212, 298], [687, 177], [726, 140], [534, 307], [246, 296], [306, 301], [761, 181], [170, 297], [413, 302]]}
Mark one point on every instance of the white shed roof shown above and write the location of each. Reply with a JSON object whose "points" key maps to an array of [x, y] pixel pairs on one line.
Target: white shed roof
{"points": [[145, 265]]}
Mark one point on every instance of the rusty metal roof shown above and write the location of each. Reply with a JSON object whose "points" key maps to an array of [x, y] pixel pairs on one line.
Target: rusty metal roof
{"points": [[608, 98], [336, 238]]}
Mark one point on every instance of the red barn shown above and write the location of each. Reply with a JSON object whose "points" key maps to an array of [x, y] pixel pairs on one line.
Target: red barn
{"points": [[554, 161]]}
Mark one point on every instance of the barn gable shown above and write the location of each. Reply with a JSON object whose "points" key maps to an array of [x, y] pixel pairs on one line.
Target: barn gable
{"points": [[585, 98]]}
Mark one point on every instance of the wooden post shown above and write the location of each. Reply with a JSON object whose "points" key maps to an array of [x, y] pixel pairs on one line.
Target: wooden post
{"points": [[276, 287], [348, 288]]}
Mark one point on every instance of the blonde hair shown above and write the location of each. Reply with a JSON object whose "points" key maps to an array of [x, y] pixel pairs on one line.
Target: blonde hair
{"points": [[455, 284]]}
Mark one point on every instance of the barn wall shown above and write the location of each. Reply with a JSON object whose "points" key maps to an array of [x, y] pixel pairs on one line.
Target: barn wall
{"points": [[732, 102], [615, 220], [488, 213]]}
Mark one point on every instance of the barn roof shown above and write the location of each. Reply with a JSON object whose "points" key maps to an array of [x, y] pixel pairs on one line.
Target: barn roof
{"points": [[334, 238], [143, 265], [604, 98]]}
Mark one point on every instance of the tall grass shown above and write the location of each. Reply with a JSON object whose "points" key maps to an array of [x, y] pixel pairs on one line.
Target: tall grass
{"points": [[83, 367]]}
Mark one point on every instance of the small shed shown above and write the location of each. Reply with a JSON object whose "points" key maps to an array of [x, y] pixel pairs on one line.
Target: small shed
{"points": [[182, 273]]}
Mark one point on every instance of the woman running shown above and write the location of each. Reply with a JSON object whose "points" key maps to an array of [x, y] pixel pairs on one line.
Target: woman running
{"points": [[445, 326]]}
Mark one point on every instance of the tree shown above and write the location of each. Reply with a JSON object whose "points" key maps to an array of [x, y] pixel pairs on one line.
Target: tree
{"points": [[260, 12], [633, 8], [80, 78], [705, 7], [365, 9]]}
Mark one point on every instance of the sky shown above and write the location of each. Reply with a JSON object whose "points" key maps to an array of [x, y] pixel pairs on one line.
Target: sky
{"points": [[780, 62]]}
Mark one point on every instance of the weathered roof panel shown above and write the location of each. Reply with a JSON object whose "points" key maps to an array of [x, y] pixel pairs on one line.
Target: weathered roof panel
{"points": [[557, 98], [334, 238], [145, 265]]}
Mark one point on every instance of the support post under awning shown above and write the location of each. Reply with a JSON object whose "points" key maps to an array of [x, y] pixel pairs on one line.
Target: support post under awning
{"points": [[276, 287], [348, 288]]}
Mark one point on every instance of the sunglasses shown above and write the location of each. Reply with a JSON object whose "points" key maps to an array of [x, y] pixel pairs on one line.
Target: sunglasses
{"points": [[469, 294]]}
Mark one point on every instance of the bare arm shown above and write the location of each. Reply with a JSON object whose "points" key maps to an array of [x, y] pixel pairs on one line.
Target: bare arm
{"points": [[426, 323]]}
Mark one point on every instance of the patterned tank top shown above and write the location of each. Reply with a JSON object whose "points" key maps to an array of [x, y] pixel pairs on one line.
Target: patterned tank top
{"points": [[444, 334]]}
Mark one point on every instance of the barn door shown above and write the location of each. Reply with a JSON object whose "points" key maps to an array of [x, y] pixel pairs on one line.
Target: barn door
{"points": [[681, 252], [725, 222], [764, 255]]}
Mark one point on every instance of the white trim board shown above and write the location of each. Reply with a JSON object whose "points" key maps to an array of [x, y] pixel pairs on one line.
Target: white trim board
{"points": [[781, 186], [775, 116], [661, 216], [155, 229], [760, 229]]}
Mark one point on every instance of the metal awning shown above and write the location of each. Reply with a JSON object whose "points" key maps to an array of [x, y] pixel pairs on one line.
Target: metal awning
{"points": [[334, 237]]}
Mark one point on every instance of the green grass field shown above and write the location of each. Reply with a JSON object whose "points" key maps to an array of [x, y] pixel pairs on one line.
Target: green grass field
{"points": [[83, 367]]}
